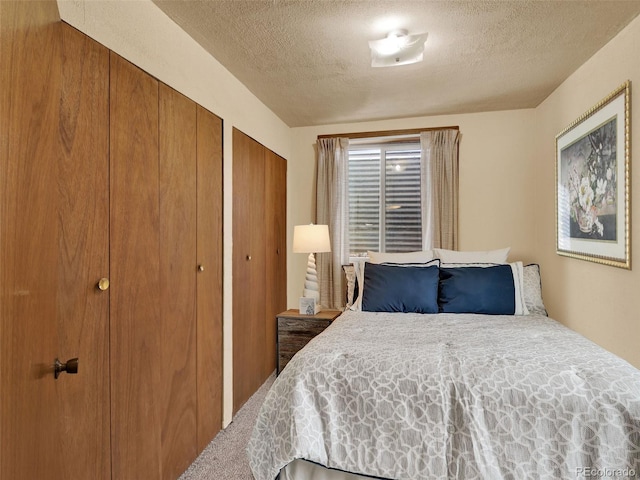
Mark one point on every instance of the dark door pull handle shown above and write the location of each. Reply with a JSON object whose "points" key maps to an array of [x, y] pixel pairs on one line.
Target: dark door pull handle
{"points": [[70, 367]]}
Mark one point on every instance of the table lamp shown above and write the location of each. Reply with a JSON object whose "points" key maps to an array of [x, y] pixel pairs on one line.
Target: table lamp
{"points": [[311, 239]]}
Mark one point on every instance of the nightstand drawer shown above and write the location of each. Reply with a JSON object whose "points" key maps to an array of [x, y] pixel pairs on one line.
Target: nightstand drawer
{"points": [[292, 343], [301, 327]]}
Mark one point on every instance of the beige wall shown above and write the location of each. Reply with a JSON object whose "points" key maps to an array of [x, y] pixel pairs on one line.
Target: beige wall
{"points": [[600, 302], [497, 195]]}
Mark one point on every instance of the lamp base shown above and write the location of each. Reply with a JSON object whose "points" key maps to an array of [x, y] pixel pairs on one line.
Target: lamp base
{"points": [[309, 306]]}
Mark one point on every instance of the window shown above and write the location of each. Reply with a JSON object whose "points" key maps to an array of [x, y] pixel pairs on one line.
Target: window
{"points": [[384, 197]]}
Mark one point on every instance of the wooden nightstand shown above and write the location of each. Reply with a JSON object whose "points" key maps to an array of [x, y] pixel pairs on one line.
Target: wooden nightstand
{"points": [[296, 330]]}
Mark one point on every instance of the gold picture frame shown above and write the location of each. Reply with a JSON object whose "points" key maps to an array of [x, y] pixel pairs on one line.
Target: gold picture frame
{"points": [[593, 157]]}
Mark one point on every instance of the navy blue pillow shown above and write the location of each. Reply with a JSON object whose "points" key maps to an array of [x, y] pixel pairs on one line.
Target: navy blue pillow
{"points": [[394, 288], [488, 290]]}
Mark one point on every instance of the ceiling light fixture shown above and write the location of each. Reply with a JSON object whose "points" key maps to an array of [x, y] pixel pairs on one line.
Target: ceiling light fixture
{"points": [[398, 48]]}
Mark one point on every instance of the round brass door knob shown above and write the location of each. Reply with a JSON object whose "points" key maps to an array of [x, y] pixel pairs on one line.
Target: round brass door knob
{"points": [[201, 268], [103, 284]]}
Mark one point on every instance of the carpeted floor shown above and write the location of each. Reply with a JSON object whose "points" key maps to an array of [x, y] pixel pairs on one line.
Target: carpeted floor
{"points": [[225, 458]]}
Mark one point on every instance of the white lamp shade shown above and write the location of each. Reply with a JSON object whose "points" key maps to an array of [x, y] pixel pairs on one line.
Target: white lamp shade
{"points": [[311, 239]]}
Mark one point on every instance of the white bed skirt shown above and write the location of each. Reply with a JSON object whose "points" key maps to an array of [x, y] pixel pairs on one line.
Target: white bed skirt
{"points": [[303, 470]]}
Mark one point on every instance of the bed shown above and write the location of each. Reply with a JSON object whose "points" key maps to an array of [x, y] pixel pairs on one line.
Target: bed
{"points": [[449, 395]]}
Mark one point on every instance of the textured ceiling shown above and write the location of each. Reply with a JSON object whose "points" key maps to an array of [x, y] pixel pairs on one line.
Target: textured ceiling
{"points": [[309, 60]]}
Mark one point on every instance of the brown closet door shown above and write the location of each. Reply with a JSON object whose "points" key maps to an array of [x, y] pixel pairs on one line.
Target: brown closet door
{"points": [[137, 362], [276, 255], [209, 277], [177, 322], [53, 247], [249, 329]]}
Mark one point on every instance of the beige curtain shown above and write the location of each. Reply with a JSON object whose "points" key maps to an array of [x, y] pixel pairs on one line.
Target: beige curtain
{"points": [[332, 209], [439, 188]]}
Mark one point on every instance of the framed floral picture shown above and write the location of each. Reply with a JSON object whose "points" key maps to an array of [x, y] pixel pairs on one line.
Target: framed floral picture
{"points": [[592, 183]]}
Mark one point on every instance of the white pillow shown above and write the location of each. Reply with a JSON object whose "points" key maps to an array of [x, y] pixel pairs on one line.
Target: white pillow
{"points": [[518, 281], [359, 271], [454, 256], [406, 257], [533, 290]]}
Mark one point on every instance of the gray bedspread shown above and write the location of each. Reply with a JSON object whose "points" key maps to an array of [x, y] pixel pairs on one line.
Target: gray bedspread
{"points": [[410, 396]]}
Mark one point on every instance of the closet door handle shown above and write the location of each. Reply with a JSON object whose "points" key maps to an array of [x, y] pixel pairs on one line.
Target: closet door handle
{"points": [[201, 268], [70, 367], [103, 284], [248, 258]]}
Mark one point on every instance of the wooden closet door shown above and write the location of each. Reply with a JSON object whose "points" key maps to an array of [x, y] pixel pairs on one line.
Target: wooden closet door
{"points": [[248, 267], [137, 408], [53, 247], [177, 322], [276, 255], [83, 249], [209, 279]]}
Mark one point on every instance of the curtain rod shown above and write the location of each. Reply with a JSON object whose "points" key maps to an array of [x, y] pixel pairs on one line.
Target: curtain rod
{"points": [[387, 133]]}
